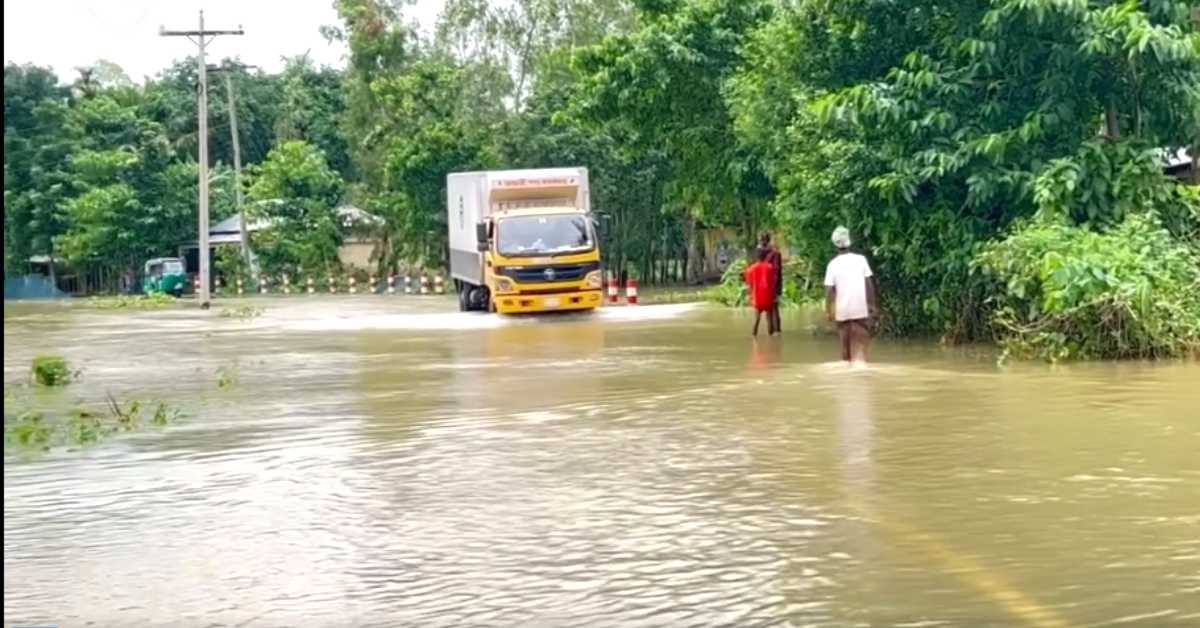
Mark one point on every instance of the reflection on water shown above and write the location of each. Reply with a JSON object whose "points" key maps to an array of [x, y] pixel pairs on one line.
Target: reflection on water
{"points": [[387, 462]]}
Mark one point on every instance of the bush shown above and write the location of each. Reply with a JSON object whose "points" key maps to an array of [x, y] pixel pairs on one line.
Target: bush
{"points": [[51, 370], [797, 288], [1068, 292]]}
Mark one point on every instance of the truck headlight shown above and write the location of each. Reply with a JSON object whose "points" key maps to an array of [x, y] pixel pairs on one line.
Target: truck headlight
{"points": [[594, 279], [504, 284]]}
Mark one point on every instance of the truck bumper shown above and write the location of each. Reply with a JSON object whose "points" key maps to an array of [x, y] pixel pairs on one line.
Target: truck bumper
{"points": [[558, 302]]}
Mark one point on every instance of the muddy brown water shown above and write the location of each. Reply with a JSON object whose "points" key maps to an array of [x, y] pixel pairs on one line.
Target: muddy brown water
{"points": [[391, 462]]}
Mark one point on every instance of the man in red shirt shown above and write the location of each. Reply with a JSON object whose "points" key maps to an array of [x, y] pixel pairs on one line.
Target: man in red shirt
{"points": [[775, 259], [761, 278]]}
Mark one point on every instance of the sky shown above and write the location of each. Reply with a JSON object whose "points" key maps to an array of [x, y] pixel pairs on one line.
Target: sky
{"points": [[65, 34]]}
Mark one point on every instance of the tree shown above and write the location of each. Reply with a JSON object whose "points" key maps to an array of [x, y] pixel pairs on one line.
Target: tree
{"points": [[930, 127], [171, 101], [514, 44], [124, 207], [297, 191], [662, 85], [311, 108], [39, 137]]}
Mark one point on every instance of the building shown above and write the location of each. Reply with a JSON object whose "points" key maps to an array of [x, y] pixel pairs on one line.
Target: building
{"points": [[360, 247], [1180, 164]]}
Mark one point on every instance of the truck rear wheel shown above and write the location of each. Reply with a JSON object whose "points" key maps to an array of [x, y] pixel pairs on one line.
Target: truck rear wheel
{"points": [[464, 296]]}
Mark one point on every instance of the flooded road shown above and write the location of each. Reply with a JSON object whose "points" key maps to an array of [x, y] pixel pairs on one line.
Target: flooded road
{"points": [[389, 462]]}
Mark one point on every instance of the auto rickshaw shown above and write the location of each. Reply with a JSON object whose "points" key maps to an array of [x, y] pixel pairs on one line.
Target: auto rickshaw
{"points": [[165, 275]]}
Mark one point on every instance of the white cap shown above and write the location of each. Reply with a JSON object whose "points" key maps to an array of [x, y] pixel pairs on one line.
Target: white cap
{"points": [[841, 238]]}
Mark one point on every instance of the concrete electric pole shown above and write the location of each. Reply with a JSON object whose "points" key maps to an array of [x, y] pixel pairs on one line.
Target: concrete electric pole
{"points": [[201, 38], [237, 157]]}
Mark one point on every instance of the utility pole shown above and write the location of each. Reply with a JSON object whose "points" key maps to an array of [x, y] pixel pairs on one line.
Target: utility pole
{"points": [[1196, 142], [237, 157], [201, 38]]}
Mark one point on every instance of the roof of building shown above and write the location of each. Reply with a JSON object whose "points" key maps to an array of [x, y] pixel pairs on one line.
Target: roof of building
{"points": [[229, 230]]}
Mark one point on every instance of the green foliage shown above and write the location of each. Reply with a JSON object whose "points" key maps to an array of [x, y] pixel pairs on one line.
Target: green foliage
{"points": [[84, 427], [1132, 291], [797, 288], [299, 194], [227, 375], [242, 312], [310, 109], [662, 84], [231, 264], [51, 370], [153, 301], [27, 430], [39, 135], [732, 290], [928, 129]]}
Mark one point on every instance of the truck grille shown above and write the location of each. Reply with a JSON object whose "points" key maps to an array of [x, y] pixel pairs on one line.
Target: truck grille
{"points": [[549, 273]]}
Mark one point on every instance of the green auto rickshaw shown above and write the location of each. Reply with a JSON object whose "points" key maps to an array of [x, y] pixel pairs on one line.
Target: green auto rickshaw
{"points": [[165, 275]]}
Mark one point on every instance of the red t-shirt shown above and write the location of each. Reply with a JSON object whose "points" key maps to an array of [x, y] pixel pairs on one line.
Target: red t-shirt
{"points": [[761, 278]]}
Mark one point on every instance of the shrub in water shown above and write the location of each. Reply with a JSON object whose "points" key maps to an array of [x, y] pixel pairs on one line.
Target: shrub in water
{"points": [[1069, 292], [51, 370], [27, 430]]}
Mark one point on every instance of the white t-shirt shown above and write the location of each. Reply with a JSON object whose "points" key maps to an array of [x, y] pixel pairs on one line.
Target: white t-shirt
{"points": [[847, 274]]}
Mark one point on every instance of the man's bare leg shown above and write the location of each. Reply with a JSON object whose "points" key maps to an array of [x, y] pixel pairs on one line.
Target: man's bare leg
{"points": [[844, 332], [860, 337]]}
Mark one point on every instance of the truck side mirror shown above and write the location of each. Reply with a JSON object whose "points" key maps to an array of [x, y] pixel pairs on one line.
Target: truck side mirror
{"points": [[481, 235], [604, 226]]}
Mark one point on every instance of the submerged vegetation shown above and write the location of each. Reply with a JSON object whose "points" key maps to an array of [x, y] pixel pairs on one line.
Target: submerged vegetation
{"points": [[242, 312], [153, 301], [228, 375], [51, 370], [29, 431]]}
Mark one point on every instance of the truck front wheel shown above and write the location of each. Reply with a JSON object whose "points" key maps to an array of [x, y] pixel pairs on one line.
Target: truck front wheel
{"points": [[480, 299]]}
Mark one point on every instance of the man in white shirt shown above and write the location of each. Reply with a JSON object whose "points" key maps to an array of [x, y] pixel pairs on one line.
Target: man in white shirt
{"points": [[850, 297]]}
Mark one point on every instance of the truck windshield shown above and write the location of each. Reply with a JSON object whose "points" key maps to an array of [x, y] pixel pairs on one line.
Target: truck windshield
{"points": [[543, 235], [172, 267]]}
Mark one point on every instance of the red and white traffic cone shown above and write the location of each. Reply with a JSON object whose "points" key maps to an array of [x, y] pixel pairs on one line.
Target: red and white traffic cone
{"points": [[262, 284], [287, 285], [372, 285], [392, 284], [613, 289], [424, 284], [353, 285], [407, 284], [631, 287], [217, 281], [439, 285], [196, 284], [332, 286], [311, 288]]}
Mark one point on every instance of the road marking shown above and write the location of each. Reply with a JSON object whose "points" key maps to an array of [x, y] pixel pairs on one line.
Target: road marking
{"points": [[1021, 606]]}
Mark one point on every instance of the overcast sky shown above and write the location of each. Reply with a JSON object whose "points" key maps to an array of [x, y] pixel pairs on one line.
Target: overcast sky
{"points": [[64, 34]]}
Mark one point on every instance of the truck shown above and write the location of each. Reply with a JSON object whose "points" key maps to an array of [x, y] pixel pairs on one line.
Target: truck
{"points": [[524, 241]]}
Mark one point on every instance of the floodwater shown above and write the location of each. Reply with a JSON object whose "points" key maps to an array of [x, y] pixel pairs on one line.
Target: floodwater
{"points": [[390, 462]]}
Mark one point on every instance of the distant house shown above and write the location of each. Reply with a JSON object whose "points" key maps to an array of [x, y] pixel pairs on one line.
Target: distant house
{"points": [[359, 249], [1180, 163]]}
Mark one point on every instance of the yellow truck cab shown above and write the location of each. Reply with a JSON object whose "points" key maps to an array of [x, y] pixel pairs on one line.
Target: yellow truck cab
{"points": [[523, 241]]}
